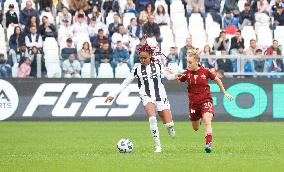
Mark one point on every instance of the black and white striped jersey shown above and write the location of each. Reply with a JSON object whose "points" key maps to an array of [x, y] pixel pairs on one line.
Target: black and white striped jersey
{"points": [[149, 80]]}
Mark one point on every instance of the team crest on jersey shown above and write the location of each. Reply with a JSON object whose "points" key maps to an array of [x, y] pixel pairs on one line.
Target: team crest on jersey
{"points": [[203, 76], [192, 111]]}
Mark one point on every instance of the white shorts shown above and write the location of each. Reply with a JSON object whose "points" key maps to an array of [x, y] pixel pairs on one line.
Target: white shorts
{"points": [[160, 105]]}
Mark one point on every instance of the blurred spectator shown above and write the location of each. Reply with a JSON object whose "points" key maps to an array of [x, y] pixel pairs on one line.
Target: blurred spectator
{"points": [[64, 15], [11, 16], [76, 5], [65, 31], [276, 64], [113, 27], [1, 16], [96, 13], [104, 55], [93, 3], [33, 21], [207, 62], [263, 12], [152, 29], [141, 4], [278, 16], [84, 54], [99, 40], [224, 64], [231, 6], [27, 12], [221, 42], [111, 5], [79, 15], [130, 7], [246, 17], [32, 55], [65, 52], [59, 7], [183, 52], [274, 5], [258, 61], [230, 21], [236, 42], [213, 7], [121, 55], [161, 17], [15, 41], [134, 30], [45, 3], [80, 28], [121, 36], [95, 26], [273, 47], [251, 50], [33, 39], [71, 67], [48, 13], [5, 68], [146, 13], [24, 68], [47, 29], [173, 56], [20, 55], [195, 6]]}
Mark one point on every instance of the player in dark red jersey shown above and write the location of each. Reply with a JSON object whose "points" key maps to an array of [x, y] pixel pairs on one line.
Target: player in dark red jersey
{"points": [[200, 99]]}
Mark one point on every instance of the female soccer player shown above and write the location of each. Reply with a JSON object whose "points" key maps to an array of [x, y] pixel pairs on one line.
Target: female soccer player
{"points": [[152, 92], [200, 99]]}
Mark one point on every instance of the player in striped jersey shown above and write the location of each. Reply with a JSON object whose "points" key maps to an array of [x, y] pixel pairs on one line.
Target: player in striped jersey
{"points": [[152, 92]]}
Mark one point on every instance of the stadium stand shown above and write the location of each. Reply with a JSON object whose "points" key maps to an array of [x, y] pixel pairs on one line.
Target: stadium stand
{"points": [[203, 32]]}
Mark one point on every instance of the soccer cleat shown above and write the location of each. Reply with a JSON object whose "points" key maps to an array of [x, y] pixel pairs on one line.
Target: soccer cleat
{"points": [[208, 148], [171, 132], [158, 149]]}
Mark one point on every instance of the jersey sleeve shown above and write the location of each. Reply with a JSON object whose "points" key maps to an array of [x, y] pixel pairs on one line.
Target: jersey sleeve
{"points": [[183, 77], [211, 75], [126, 82]]}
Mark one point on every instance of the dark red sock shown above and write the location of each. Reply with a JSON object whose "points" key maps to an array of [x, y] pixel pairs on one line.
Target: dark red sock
{"points": [[208, 138]]}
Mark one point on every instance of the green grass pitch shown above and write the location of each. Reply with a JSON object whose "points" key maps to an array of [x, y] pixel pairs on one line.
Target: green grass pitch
{"points": [[91, 146]]}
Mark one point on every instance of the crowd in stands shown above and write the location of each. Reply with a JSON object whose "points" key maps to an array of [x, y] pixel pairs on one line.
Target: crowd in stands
{"points": [[100, 29]]}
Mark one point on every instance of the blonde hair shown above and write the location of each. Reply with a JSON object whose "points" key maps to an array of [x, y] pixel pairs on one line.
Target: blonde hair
{"points": [[195, 54]]}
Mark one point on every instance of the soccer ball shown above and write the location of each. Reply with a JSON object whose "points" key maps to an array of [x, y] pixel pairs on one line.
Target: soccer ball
{"points": [[124, 146]]}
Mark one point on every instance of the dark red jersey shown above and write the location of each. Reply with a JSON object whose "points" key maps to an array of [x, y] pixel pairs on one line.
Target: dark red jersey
{"points": [[198, 88]]}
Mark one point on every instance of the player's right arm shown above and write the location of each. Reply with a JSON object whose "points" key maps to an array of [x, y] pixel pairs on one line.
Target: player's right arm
{"points": [[182, 77], [122, 86]]}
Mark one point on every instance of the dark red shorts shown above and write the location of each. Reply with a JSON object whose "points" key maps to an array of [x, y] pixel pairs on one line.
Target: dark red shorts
{"points": [[196, 111]]}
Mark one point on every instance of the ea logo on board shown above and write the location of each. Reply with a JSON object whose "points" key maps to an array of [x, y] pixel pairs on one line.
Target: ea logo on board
{"points": [[9, 100]]}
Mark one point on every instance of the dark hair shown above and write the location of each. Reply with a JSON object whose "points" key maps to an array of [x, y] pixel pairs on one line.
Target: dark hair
{"points": [[86, 43], [258, 50], [16, 29], [29, 23], [147, 5], [132, 19], [252, 40], [163, 10]]}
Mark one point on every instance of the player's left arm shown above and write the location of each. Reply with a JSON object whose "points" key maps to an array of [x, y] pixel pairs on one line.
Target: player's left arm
{"points": [[170, 75], [221, 86]]}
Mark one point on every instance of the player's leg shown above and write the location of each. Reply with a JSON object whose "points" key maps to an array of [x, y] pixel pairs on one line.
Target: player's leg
{"points": [[150, 110], [195, 124], [166, 116], [164, 110], [207, 118]]}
